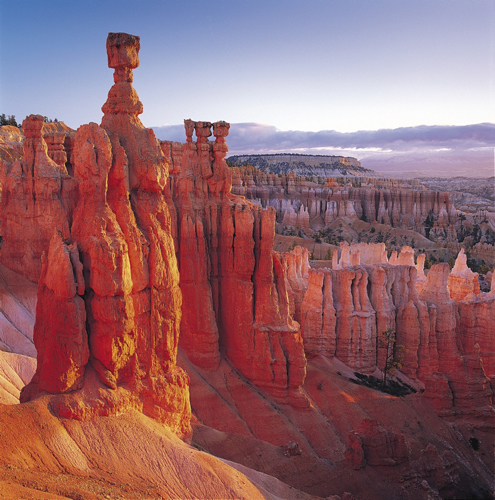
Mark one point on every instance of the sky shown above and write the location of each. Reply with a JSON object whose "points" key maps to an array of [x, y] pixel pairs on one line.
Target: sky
{"points": [[279, 71]]}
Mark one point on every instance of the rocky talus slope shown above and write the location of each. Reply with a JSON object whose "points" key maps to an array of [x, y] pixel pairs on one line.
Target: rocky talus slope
{"points": [[162, 311]]}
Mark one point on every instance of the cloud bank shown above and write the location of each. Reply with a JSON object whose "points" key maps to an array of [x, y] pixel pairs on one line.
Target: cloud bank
{"points": [[422, 148], [257, 137]]}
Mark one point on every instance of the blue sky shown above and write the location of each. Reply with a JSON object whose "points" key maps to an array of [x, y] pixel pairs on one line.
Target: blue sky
{"points": [[312, 65]]}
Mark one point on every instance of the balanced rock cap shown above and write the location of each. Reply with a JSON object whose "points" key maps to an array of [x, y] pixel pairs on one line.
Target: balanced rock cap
{"points": [[123, 50]]}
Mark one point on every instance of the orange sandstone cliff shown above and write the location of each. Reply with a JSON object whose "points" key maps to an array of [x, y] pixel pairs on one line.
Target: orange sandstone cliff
{"points": [[235, 286], [446, 342]]}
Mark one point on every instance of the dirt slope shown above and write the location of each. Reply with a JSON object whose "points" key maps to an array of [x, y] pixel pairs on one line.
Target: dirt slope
{"points": [[128, 456], [239, 422]]}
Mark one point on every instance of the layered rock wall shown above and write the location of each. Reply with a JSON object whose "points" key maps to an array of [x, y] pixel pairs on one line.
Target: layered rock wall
{"points": [[446, 345], [37, 198], [306, 204], [236, 287]]}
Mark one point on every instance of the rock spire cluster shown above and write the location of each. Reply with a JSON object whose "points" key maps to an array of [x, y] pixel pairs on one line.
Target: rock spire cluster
{"points": [[235, 288], [140, 245]]}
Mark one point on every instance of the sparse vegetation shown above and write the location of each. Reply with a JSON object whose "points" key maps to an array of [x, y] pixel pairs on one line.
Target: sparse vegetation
{"points": [[8, 120], [428, 223], [292, 246], [394, 354], [393, 387], [477, 265]]}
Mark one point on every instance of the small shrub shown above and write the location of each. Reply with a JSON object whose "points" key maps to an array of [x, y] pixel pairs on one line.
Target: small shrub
{"points": [[474, 443]]}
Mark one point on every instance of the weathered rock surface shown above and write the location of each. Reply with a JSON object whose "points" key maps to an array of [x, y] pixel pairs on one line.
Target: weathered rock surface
{"points": [[246, 427], [129, 213], [318, 318], [102, 457], [314, 204], [459, 358], [60, 330], [111, 199], [109, 303], [440, 471], [463, 284], [16, 370], [444, 344], [36, 199], [114, 206], [17, 312], [11, 139], [236, 293], [374, 445]]}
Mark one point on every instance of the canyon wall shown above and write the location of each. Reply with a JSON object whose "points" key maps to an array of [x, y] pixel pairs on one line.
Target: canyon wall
{"points": [[441, 324], [309, 205]]}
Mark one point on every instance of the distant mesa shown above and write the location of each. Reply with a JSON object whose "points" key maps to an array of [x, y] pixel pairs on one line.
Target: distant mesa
{"points": [[303, 165]]}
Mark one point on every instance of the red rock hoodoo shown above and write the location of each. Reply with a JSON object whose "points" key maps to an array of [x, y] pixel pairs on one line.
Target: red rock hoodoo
{"points": [[447, 344], [115, 273], [236, 293], [36, 200]]}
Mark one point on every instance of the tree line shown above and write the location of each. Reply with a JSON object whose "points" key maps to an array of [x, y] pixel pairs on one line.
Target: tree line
{"points": [[10, 120]]}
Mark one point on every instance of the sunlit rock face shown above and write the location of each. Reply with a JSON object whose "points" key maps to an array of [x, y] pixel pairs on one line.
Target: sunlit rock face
{"points": [[235, 288], [37, 196], [144, 240], [60, 333], [105, 191], [459, 359], [114, 274]]}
